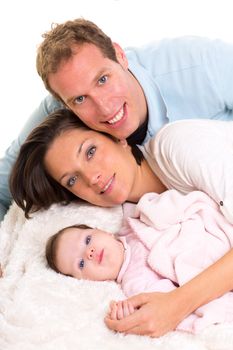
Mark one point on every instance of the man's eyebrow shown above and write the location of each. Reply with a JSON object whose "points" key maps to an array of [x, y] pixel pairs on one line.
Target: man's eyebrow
{"points": [[70, 99], [79, 151]]}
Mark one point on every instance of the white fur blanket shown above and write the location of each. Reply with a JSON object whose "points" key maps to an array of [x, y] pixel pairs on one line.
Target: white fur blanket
{"points": [[40, 309]]}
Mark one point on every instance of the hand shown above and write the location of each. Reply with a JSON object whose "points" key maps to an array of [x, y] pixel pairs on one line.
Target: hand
{"points": [[119, 310], [156, 314]]}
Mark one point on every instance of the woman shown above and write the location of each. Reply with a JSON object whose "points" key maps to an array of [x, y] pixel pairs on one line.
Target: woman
{"points": [[55, 165], [63, 159]]}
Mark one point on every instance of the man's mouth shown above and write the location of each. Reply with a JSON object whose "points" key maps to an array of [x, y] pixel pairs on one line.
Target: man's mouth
{"points": [[117, 117], [108, 184]]}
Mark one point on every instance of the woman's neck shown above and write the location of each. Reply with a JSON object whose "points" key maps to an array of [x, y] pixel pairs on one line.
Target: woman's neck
{"points": [[145, 181]]}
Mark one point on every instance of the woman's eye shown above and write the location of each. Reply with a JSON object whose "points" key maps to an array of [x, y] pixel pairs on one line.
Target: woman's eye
{"points": [[91, 152], [103, 80], [88, 239], [71, 181], [81, 264], [78, 100]]}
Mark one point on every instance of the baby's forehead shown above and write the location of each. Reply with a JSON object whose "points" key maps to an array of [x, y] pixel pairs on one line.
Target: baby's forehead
{"points": [[77, 228], [76, 231], [70, 233]]}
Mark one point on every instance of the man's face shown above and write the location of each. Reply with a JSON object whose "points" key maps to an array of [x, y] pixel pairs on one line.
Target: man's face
{"points": [[102, 92], [89, 254]]}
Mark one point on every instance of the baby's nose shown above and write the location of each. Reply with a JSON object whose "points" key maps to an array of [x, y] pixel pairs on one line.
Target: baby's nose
{"points": [[90, 253]]}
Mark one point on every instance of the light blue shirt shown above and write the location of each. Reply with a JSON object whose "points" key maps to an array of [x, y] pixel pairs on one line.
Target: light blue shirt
{"points": [[182, 78]]}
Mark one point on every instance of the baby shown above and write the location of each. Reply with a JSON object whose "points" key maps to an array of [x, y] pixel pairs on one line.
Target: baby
{"points": [[165, 241], [85, 253]]}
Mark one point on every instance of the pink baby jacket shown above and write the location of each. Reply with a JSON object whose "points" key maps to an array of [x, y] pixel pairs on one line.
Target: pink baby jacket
{"points": [[169, 239]]}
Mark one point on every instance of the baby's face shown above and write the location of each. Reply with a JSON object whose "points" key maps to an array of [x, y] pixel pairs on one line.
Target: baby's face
{"points": [[89, 254]]}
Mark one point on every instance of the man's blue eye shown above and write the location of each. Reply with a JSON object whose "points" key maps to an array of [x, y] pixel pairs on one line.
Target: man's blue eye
{"points": [[88, 239], [91, 152], [81, 264], [71, 181], [103, 80], [80, 99]]}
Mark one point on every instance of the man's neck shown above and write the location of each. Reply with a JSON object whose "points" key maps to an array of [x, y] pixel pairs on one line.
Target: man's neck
{"points": [[138, 136]]}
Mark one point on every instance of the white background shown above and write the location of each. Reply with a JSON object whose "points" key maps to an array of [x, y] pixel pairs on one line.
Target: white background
{"points": [[128, 22]]}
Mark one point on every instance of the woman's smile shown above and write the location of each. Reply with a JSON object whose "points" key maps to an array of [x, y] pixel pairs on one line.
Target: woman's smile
{"points": [[109, 186]]}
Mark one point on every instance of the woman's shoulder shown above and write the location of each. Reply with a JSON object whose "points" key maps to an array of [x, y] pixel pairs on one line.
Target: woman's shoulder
{"points": [[191, 133]]}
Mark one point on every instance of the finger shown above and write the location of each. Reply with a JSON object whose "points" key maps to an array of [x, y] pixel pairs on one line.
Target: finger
{"points": [[125, 308], [124, 324], [112, 302], [121, 326], [138, 300], [113, 314], [138, 330], [120, 313], [131, 308]]}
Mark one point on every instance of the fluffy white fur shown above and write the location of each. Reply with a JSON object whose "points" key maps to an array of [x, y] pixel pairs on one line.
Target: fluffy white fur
{"points": [[40, 309]]}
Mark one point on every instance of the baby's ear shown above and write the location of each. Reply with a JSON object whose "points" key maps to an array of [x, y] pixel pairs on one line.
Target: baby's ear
{"points": [[123, 142]]}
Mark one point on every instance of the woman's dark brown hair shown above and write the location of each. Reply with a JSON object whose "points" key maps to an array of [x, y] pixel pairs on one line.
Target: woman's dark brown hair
{"points": [[31, 186]]}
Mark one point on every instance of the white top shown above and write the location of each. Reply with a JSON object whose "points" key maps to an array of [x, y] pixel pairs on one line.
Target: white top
{"points": [[195, 155]]}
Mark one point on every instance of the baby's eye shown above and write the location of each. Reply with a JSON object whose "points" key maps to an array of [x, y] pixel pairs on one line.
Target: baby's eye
{"points": [[81, 264], [79, 100], [91, 152], [88, 239], [103, 80], [71, 181]]}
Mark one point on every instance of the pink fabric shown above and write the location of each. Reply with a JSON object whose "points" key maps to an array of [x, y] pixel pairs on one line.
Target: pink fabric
{"points": [[172, 238]]}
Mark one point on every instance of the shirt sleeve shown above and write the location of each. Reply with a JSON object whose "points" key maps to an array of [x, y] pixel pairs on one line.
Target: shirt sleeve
{"points": [[218, 60], [48, 105], [197, 155]]}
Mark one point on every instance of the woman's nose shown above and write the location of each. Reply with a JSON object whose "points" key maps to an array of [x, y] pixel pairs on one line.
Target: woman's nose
{"points": [[93, 178]]}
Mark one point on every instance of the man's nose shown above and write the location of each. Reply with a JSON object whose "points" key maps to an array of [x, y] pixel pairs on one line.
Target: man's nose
{"points": [[103, 103]]}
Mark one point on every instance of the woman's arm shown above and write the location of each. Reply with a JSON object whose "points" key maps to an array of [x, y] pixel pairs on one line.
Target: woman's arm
{"points": [[159, 313]]}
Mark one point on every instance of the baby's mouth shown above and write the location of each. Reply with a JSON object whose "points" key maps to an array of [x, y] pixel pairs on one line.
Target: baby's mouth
{"points": [[101, 256]]}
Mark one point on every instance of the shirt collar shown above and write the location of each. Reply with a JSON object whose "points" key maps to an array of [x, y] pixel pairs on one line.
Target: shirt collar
{"points": [[127, 256]]}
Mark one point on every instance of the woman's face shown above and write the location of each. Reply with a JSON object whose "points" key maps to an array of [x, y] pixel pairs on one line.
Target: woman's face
{"points": [[93, 167]]}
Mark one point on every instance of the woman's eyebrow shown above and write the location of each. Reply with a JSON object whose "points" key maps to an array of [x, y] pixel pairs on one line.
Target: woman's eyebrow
{"points": [[79, 151], [81, 146]]}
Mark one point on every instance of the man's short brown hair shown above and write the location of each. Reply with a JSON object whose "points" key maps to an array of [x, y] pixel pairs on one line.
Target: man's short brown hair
{"points": [[60, 42]]}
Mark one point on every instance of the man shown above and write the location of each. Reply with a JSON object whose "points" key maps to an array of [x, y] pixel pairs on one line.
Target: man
{"points": [[131, 94]]}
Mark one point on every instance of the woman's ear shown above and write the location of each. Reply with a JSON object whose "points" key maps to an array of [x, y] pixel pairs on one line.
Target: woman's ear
{"points": [[123, 142]]}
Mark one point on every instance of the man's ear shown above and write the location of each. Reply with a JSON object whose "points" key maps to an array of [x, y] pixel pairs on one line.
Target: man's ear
{"points": [[121, 56]]}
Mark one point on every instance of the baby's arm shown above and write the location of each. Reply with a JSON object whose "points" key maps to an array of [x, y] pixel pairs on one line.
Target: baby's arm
{"points": [[120, 309]]}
